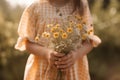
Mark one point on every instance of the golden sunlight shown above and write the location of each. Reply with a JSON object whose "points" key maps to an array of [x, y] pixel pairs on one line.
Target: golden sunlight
{"points": [[19, 2]]}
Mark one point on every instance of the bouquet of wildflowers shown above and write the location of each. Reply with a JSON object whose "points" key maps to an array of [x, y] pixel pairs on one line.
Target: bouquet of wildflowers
{"points": [[67, 36]]}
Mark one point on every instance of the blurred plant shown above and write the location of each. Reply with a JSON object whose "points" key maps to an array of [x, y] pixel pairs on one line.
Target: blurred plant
{"points": [[106, 24], [9, 57]]}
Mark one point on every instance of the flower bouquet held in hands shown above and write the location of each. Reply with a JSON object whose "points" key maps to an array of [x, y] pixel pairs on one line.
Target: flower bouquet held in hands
{"points": [[64, 37]]}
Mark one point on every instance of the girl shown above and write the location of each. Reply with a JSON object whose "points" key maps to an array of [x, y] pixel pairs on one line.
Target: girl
{"points": [[33, 23]]}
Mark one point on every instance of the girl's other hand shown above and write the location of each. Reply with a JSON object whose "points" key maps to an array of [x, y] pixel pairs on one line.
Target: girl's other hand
{"points": [[53, 56], [66, 62]]}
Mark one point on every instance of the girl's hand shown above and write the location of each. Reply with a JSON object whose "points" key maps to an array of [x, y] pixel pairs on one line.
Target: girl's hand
{"points": [[53, 56], [66, 62]]}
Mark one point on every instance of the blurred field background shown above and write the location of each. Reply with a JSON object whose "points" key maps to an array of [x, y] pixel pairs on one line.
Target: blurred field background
{"points": [[104, 61]]}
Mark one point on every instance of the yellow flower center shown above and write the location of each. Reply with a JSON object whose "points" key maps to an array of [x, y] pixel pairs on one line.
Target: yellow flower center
{"points": [[69, 30], [57, 25], [46, 34], [79, 26], [84, 36], [36, 38], [61, 31], [90, 31], [56, 35], [64, 35]]}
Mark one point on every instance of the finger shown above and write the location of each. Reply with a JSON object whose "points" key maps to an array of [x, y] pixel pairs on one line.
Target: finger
{"points": [[65, 57], [67, 66], [58, 54], [53, 58], [64, 62]]}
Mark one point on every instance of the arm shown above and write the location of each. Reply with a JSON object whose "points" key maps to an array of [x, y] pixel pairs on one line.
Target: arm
{"points": [[46, 53], [37, 49], [84, 50]]}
